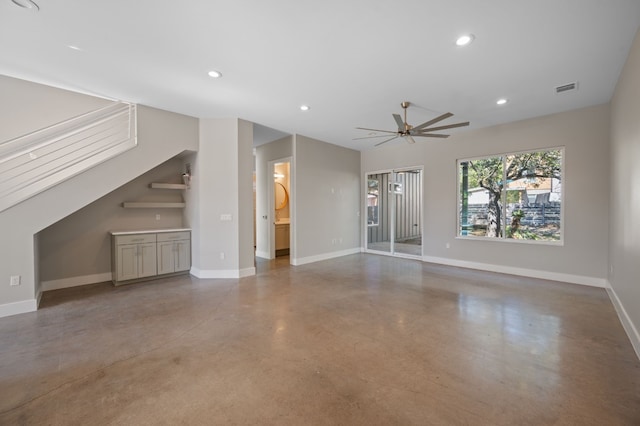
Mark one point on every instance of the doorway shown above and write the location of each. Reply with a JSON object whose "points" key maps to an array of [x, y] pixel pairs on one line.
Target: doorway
{"points": [[394, 212], [280, 208]]}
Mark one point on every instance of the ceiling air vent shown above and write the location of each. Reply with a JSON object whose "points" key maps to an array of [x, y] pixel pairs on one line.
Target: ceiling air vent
{"points": [[569, 87]]}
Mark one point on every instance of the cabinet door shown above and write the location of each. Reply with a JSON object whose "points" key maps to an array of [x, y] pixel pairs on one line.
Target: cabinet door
{"points": [[166, 256], [183, 255], [147, 260], [287, 237], [127, 262], [280, 237]]}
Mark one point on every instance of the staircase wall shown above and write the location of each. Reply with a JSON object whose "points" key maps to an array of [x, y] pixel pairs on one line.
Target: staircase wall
{"points": [[161, 136]]}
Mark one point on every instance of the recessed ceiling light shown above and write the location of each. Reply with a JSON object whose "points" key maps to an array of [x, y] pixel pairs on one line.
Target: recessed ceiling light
{"points": [[305, 107], [27, 4], [215, 74], [501, 101], [465, 40]]}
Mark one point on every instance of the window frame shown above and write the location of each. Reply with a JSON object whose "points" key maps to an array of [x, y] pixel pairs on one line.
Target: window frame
{"points": [[502, 237]]}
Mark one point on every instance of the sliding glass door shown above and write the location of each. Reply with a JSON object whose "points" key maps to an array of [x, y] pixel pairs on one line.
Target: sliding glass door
{"points": [[379, 212], [408, 212], [394, 212]]}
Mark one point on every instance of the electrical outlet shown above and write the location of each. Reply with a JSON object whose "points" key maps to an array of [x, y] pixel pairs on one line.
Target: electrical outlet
{"points": [[157, 217], [221, 255], [15, 280], [448, 245]]}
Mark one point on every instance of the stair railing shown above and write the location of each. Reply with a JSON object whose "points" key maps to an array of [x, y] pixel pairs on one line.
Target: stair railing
{"points": [[39, 160]]}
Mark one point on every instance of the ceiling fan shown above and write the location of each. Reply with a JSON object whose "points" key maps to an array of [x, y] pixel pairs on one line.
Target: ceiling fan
{"points": [[407, 131]]}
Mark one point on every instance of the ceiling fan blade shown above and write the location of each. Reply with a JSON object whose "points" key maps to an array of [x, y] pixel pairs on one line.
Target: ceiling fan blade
{"points": [[371, 137], [376, 130], [450, 126], [410, 139], [398, 119], [380, 143], [431, 135], [434, 121]]}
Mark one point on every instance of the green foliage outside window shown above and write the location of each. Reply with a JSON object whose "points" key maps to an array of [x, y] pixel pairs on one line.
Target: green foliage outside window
{"points": [[514, 196]]}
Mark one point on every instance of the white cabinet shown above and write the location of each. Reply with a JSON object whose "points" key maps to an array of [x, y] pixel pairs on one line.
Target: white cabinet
{"points": [[174, 252], [147, 254], [135, 256]]}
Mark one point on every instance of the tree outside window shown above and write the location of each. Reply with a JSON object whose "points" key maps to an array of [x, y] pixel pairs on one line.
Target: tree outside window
{"points": [[513, 196]]}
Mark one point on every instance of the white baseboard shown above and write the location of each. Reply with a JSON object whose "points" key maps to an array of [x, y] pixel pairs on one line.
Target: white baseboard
{"points": [[247, 272], [16, 308], [222, 273], [324, 256], [75, 281], [627, 324], [532, 273], [262, 254]]}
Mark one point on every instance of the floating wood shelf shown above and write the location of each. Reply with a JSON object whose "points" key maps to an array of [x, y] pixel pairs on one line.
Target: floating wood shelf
{"points": [[147, 205], [168, 186]]}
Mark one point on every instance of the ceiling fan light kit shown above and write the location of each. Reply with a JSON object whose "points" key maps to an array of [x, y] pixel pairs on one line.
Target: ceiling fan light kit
{"points": [[408, 132]]}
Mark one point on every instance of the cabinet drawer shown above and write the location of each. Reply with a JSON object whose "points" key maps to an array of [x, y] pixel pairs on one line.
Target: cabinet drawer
{"points": [[172, 236], [135, 239]]}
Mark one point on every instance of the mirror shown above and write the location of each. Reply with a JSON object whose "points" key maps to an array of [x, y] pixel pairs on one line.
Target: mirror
{"points": [[282, 197]]}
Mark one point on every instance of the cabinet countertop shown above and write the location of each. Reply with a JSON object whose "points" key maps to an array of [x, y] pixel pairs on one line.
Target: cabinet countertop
{"points": [[150, 231]]}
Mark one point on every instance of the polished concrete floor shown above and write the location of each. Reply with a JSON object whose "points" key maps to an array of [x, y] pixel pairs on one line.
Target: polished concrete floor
{"points": [[412, 249], [362, 339]]}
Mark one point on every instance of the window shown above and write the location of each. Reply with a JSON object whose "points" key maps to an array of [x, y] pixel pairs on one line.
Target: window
{"points": [[512, 196]]}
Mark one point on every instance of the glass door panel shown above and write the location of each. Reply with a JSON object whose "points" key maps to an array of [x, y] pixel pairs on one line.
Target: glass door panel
{"points": [[379, 219], [407, 191]]}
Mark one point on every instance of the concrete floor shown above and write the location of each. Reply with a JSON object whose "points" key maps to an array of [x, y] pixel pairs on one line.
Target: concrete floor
{"points": [[399, 248], [362, 339]]}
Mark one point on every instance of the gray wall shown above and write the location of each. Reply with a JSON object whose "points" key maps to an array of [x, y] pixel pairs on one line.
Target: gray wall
{"points": [[246, 258], [624, 242], [80, 245], [326, 199], [222, 185], [584, 133], [27, 106]]}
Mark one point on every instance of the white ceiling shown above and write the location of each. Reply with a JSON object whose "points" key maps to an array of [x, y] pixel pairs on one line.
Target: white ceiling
{"points": [[352, 61]]}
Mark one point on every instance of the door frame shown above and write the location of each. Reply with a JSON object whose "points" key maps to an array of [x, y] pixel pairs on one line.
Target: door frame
{"points": [[392, 218], [271, 216]]}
